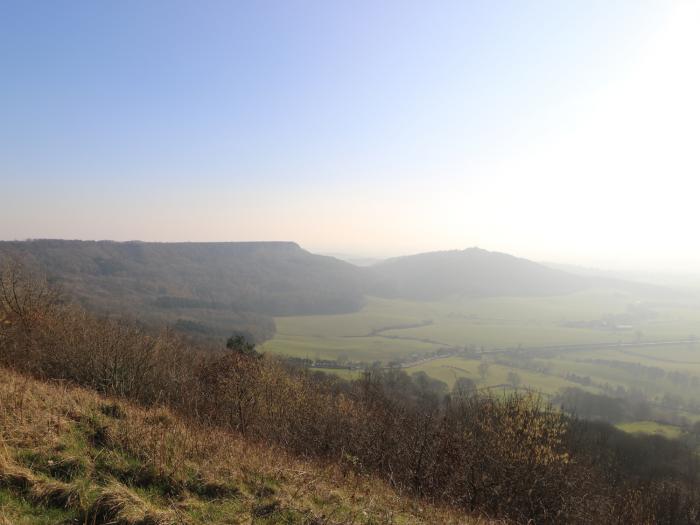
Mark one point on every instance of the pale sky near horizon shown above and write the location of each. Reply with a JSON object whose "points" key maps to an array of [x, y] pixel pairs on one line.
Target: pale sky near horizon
{"points": [[562, 131]]}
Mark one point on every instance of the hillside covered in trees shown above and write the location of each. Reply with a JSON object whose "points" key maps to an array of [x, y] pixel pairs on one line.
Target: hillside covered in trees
{"points": [[199, 288]]}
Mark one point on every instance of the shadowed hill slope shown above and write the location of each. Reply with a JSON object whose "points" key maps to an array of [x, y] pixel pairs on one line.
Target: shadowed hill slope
{"points": [[207, 288], [471, 272]]}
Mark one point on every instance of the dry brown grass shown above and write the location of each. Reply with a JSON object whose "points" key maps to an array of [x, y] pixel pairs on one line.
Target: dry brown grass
{"points": [[146, 466], [37, 489], [118, 505]]}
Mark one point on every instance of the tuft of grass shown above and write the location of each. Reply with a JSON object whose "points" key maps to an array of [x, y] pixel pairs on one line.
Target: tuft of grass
{"points": [[53, 493], [260, 486], [53, 463], [97, 431], [113, 410], [16, 510], [15, 477], [265, 510], [211, 489], [135, 473], [38, 490], [118, 505]]}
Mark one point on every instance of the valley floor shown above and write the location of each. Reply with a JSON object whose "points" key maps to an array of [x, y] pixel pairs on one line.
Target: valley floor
{"points": [[545, 332]]}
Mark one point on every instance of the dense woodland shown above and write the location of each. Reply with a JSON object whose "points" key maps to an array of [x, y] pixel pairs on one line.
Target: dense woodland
{"points": [[512, 457], [205, 289]]}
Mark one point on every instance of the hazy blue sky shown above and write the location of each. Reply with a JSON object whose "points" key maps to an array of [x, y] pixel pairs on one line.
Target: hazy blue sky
{"points": [[561, 130]]}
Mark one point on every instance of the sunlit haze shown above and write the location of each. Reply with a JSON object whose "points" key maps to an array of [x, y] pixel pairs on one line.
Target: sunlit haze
{"points": [[558, 131]]}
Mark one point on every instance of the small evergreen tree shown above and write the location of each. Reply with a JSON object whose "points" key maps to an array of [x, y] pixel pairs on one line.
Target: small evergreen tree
{"points": [[239, 344]]}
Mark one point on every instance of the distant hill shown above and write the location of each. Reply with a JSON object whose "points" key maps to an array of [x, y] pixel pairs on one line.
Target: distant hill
{"points": [[205, 288], [472, 272]]}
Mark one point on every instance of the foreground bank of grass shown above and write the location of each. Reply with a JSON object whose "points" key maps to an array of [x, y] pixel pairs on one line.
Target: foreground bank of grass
{"points": [[71, 456]]}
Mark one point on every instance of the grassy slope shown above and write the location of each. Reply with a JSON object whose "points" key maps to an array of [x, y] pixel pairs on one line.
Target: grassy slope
{"points": [[70, 456]]}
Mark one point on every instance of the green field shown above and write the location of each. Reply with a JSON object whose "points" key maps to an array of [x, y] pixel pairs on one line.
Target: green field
{"points": [[371, 333], [650, 427], [386, 329], [449, 369]]}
